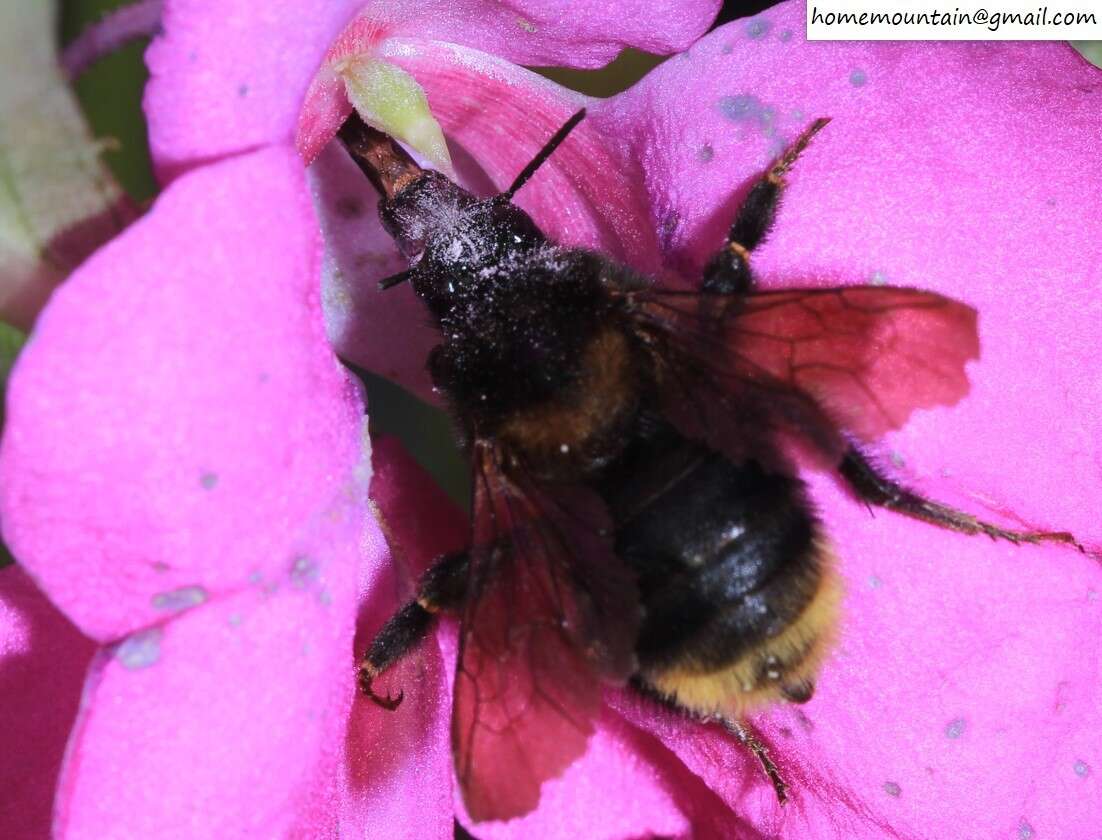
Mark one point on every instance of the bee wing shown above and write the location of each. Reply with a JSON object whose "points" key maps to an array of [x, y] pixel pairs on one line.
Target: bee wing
{"points": [[550, 611], [858, 359]]}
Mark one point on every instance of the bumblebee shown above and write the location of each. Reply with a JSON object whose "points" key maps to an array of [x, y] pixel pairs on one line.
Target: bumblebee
{"points": [[635, 517]]}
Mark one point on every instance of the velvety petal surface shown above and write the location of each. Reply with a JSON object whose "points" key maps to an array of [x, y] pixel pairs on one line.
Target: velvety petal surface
{"points": [[957, 168], [957, 698], [228, 720], [397, 778], [963, 692], [43, 659], [178, 420], [227, 76], [384, 331]]}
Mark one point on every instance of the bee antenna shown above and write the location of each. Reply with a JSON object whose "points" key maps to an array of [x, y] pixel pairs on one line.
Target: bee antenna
{"points": [[395, 279], [542, 156]]}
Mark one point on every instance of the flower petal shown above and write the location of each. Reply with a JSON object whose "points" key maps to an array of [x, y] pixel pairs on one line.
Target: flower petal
{"points": [[43, 659], [227, 78], [398, 776], [948, 639], [955, 696], [384, 331], [227, 721], [947, 186], [177, 417]]}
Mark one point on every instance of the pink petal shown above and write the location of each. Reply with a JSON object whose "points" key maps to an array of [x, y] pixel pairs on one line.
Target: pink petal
{"points": [[43, 659], [956, 653], [386, 332], [178, 420], [397, 780], [900, 188], [228, 720], [228, 78], [956, 697]]}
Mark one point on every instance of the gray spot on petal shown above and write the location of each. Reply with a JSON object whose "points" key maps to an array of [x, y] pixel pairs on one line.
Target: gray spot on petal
{"points": [[858, 77], [183, 598], [242, 90], [1082, 769], [786, 34], [757, 27], [705, 153], [875, 582], [878, 278], [742, 107], [325, 598], [896, 458], [234, 619], [955, 728], [139, 650], [303, 570], [892, 789], [208, 480], [1025, 830], [727, 49]]}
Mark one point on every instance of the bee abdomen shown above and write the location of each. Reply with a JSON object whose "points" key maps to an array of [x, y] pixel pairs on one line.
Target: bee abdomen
{"points": [[738, 598]]}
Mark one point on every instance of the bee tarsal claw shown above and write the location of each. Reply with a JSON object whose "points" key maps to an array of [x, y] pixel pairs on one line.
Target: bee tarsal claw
{"points": [[366, 678]]}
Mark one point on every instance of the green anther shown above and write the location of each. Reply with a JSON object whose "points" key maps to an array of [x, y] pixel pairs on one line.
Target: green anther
{"points": [[389, 99]]}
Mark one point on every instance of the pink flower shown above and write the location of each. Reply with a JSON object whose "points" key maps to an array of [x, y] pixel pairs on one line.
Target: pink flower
{"points": [[183, 463], [179, 425], [957, 701]]}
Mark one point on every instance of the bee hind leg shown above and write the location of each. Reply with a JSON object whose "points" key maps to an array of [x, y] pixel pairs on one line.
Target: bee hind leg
{"points": [[743, 732], [875, 488], [441, 587], [749, 740], [728, 272]]}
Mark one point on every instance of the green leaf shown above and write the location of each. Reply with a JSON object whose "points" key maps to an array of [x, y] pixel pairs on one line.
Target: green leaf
{"points": [[1091, 51], [11, 342], [57, 201]]}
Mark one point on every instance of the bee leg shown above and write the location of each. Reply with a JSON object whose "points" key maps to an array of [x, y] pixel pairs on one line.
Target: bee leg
{"points": [[744, 733], [728, 272], [441, 587], [875, 488], [749, 740]]}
